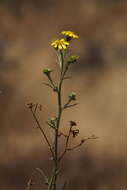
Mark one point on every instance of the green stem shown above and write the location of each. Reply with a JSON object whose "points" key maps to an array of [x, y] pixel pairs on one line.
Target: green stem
{"points": [[52, 185], [57, 132], [56, 166]]}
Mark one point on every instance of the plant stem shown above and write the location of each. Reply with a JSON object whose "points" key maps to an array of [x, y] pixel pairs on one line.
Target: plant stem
{"points": [[59, 102]]}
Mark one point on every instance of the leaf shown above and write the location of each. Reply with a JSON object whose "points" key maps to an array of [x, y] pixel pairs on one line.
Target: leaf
{"points": [[71, 105], [67, 77], [43, 174], [53, 187], [64, 185], [47, 84]]}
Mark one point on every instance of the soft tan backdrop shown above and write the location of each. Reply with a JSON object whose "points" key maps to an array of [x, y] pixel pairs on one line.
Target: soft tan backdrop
{"points": [[100, 80]]}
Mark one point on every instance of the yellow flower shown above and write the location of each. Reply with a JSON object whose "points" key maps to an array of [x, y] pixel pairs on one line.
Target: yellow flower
{"points": [[60, 44], [70, 35]]}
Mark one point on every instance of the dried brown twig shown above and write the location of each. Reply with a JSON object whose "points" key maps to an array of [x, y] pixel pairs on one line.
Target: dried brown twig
{"points": [[31, 106]]}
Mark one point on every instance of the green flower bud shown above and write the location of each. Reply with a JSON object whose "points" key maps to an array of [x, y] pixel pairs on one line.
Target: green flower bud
{"points": [[72, 96], [73, 59], [53, 120], [47, 71]]}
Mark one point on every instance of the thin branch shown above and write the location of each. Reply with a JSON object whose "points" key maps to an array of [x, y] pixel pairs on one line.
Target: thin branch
{"points": [[67, 77], [74, 147], [47, 84], [29, 184], [51, 81], [43, 133], [35, 109], [66, 145], [71, 105], [44, 175], [50, 125], [68, 102], [68, 105], [82, 142]]}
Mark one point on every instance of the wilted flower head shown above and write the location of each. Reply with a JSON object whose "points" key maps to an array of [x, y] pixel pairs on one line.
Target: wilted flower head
{"points": [[60, 44], [30, 105], [73, 123], [70, 35], [75, 132]]}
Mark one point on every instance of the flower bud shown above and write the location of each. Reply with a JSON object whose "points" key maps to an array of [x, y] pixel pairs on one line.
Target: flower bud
{"points": [[73, 59], [72, 96], [53, 120], [47, 71]]}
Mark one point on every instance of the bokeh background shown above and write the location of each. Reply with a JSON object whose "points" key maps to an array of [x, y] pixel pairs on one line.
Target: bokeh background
{"points": [[100, 80]]}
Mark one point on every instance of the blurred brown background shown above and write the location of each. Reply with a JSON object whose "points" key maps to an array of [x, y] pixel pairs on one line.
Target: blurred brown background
{"points": [[100, 80]]}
